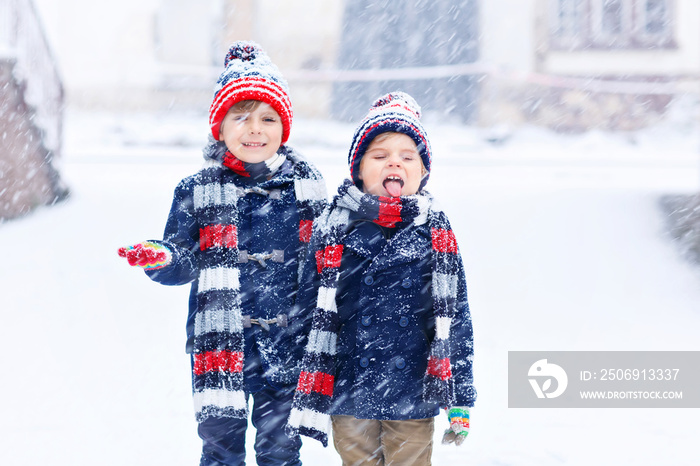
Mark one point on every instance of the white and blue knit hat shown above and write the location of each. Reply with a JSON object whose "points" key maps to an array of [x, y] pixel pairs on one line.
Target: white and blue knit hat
{"points": [[250, 75], [394, 112]]}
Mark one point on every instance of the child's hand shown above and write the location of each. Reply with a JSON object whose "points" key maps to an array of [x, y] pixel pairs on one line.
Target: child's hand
{"points": [[147, 255], [459, 425]]}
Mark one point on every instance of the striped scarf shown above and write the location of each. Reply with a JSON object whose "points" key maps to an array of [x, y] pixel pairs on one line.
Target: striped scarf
{"points": [[218, 387], [257, 172], [310, 415]]}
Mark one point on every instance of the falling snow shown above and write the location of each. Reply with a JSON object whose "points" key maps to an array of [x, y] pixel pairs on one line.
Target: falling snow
{"points": [[565, 237], [562, 237]]}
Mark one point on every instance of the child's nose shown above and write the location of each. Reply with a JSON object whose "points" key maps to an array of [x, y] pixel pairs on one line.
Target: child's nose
{"points": [[254, 126], [394, 161]]}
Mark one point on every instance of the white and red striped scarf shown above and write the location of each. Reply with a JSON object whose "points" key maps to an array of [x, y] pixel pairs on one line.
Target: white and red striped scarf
{"points": [[218, 387], [310, 415]]}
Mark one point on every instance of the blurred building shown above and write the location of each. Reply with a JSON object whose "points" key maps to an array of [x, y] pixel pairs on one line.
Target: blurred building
{"points": [[580, 64], [565, 64], [31, 113], [570, 65], [413, 34]]}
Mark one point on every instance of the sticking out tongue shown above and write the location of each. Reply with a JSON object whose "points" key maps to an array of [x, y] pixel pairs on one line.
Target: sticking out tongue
{"points": [[393, 187]]}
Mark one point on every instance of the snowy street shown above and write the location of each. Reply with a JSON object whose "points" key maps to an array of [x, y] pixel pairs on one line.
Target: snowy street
{"points": [[562, 237]]}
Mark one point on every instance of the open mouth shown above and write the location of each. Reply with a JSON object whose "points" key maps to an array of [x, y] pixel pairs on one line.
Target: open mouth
{"points": [[393, 185], [253, 144]]}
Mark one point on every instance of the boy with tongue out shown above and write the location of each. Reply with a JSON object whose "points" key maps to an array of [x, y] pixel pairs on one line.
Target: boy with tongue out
{"points": [[390, 342]]}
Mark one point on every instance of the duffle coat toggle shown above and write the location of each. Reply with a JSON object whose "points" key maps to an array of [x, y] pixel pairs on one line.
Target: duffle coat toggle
{"points": [[270, 193], [281, 321], [277, 255]]}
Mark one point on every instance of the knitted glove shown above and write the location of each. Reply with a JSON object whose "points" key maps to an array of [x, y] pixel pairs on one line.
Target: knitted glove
{"points": [[147, 255], [458, 417]]}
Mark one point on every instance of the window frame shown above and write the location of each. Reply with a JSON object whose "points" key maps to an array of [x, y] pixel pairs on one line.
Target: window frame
{"points": [[641, 20], [590, 14]]}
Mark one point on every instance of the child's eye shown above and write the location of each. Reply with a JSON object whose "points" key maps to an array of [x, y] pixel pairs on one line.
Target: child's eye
{"points": [[270, 119]]}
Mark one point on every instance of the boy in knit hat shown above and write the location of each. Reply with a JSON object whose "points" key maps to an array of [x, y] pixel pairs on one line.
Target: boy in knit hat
{"points": [[236, 231], [391, 336]]}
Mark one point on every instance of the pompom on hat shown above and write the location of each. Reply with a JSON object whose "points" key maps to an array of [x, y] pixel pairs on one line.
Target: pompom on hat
{"points": [[249, 74], [394, 112]]}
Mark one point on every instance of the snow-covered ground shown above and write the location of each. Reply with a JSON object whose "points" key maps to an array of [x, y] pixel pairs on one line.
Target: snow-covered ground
{"points": [[562, 237]]}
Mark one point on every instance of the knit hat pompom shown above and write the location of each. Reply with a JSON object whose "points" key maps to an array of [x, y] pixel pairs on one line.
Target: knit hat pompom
{"points": [[242, 50], [399, 101], [249, 74], [395, 112]]}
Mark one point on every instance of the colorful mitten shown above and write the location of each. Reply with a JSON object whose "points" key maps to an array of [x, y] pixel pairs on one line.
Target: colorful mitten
{"points": [[459, 425], [147, 255]]}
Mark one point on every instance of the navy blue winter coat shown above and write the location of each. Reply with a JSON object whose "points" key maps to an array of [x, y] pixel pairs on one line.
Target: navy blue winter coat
{"points": [[266, 223], [384, 302]]}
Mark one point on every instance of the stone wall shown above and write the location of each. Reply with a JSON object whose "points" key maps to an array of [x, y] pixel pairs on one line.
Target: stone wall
{"points": [[27, 178]]}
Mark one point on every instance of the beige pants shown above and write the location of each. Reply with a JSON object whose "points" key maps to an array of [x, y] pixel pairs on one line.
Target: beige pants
{"points": [[368, 442]]}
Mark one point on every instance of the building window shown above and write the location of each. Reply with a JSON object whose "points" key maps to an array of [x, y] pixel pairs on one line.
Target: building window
{"points": [[654, 25], [611, 24], [569, 23]]}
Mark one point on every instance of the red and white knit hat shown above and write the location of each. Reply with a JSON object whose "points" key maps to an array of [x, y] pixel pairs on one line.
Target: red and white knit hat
{"points": [[250, 75]]}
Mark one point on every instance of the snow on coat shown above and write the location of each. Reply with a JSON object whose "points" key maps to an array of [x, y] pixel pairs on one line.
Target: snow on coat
{"points": [[265, 236], [384, 303]]}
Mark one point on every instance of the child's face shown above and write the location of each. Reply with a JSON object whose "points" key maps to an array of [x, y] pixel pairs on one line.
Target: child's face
{"points": [[391, 166], [252, 136]]}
